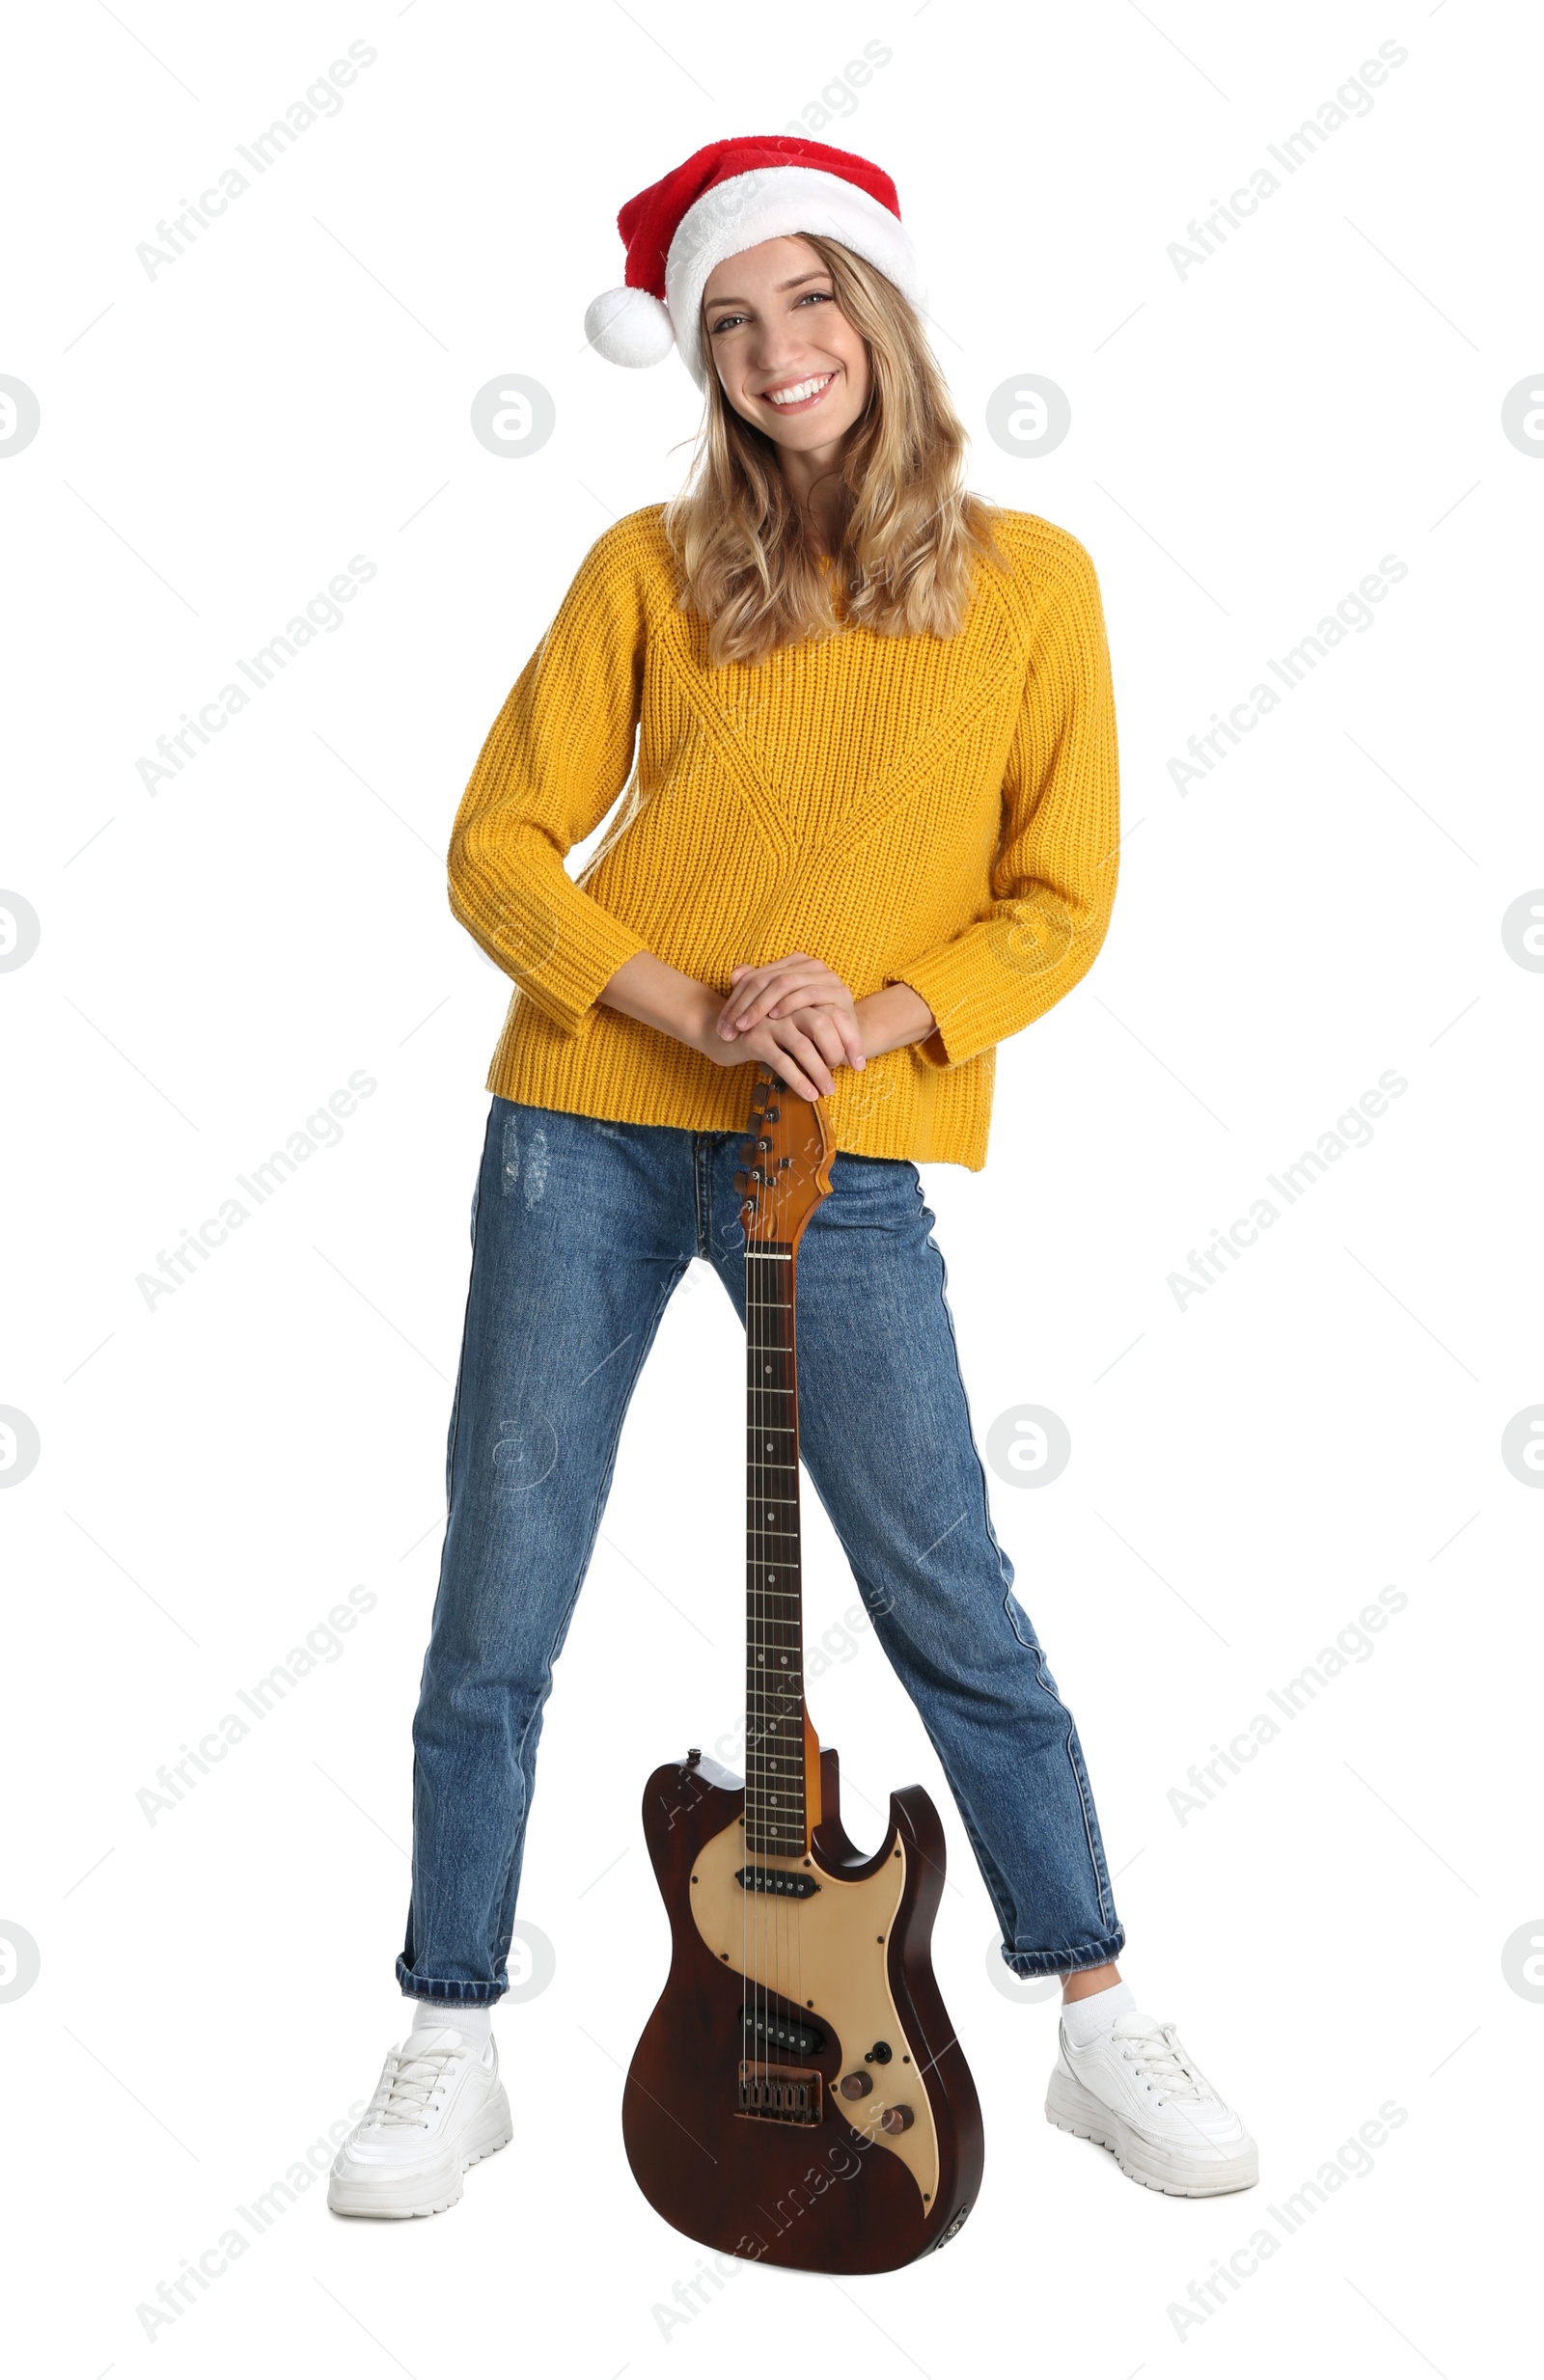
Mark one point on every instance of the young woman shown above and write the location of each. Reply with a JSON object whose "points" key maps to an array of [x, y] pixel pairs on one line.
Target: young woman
{"points": [[871, 832]]}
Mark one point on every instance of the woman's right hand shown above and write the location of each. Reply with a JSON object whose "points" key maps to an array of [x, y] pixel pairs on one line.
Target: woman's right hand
{"points": [[803, 1048]]}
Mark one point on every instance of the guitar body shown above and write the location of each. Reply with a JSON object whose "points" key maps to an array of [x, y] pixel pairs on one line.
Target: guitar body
{"points": [[841, 1985]]}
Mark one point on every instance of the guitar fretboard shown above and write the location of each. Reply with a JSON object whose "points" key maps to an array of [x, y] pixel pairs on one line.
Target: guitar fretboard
{"points": [[774, 1618]]}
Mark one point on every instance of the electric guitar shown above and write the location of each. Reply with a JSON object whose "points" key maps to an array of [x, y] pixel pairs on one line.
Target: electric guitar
{"points": [[798, 2095]]}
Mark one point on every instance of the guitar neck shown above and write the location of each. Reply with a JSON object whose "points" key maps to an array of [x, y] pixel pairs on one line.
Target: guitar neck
{"points": [[776, 1816], [789, 1158]]}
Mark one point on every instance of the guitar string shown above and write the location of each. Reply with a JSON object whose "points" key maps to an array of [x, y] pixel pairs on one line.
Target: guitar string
{"points": [[776, 1908], [766, 1757], [786, 1922], [753, 1286], [775, 1962], [794, 1973], [772, 1754], [762, 2045], [755, 1697], [785, 1906], [747, 1910], [789, 1414]]}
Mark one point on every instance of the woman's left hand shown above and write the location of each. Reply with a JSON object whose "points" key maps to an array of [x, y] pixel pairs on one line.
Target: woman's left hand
{"points": [[783, 987]]}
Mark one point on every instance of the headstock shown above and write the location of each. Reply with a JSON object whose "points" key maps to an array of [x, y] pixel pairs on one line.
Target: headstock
{"points": [[787, 1160]]}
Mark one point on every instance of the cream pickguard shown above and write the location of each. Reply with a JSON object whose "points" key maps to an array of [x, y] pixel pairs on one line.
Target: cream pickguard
{"points": [[829, 1954]]}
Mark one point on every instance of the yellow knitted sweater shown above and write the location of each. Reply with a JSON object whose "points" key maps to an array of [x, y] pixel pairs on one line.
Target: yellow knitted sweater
{"points": [[940, 812]]}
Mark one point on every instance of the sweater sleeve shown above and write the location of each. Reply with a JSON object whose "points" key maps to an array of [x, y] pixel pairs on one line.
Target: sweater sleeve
{"points": [[554, 760], [1053, 881]]}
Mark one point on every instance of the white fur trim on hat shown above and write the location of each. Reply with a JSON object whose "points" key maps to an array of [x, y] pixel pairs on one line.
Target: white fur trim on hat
{"points": [[628, 326], [772, 203]]}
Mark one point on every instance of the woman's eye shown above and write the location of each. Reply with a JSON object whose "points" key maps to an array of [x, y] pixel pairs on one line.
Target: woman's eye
{"points": [[727, 322]]}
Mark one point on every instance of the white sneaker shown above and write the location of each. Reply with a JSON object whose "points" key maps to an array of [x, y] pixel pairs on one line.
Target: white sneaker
{"points": [[438, 2108], [1138, 2092]]}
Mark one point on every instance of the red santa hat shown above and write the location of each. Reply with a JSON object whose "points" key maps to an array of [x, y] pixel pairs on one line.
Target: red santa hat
{"points": [[728, 197]]}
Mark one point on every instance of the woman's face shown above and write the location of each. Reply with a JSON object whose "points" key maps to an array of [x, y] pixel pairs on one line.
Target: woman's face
{"points": [[772, 325]]}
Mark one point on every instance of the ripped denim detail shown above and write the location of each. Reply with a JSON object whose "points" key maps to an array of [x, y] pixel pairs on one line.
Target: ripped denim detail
{"points": [[535, 1162]]}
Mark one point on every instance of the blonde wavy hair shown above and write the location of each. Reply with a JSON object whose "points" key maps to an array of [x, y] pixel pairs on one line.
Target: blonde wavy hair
{"points": [[910, 535]]}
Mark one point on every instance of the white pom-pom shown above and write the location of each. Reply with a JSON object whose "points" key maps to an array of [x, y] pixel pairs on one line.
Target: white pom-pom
{"points": [[629, 326]]}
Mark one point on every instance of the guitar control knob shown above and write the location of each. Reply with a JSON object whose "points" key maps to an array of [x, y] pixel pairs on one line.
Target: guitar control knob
{"points": [[896, 2120], [856, 2086]]}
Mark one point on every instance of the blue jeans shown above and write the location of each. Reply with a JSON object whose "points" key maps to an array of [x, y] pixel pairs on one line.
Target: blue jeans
{"points": [[581, 1231]]}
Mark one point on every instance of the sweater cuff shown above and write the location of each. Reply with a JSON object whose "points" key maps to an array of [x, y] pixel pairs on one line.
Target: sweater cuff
{"points": [[928, 980], [562, 964], [567, 987]]}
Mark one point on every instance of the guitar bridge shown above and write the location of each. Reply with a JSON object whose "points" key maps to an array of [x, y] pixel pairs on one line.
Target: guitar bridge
{"points": [[780, 2093]]}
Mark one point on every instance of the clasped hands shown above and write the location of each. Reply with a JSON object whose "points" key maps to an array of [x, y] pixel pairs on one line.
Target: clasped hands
{"points": [[796, 1016]]}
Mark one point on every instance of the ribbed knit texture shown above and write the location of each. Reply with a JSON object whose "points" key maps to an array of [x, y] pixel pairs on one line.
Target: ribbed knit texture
{"points": [[941, 812]]}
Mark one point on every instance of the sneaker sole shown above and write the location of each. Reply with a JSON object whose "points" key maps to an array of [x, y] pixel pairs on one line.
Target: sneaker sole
{"points": [[1072, 2109], [399, 2197]]}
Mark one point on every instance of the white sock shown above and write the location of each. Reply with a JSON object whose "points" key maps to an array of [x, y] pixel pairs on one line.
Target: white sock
{"points": [[1086, 2018], [472, 2022]]}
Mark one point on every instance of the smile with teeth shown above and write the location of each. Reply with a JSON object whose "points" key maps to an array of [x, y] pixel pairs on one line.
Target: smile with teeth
{"points": [[802, 391]]}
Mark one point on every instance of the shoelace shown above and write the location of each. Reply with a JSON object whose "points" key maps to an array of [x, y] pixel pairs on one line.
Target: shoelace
{"points": [[1161, 2058], [410, 2083]]}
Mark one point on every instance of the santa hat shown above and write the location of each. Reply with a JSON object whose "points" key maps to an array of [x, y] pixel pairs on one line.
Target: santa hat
{"points": [[728, 197]]}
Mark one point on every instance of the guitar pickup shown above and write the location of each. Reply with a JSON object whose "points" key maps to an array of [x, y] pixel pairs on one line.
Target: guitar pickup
{"points": [[782, 2032], [791, 1883]]}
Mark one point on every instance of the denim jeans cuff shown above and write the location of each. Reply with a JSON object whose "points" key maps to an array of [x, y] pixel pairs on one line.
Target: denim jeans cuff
{"points": [[1071, 1961], [447, 1995]]}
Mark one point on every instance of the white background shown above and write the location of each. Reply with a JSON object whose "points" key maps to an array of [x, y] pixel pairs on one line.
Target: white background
{"points": [[1248, 1470]]}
